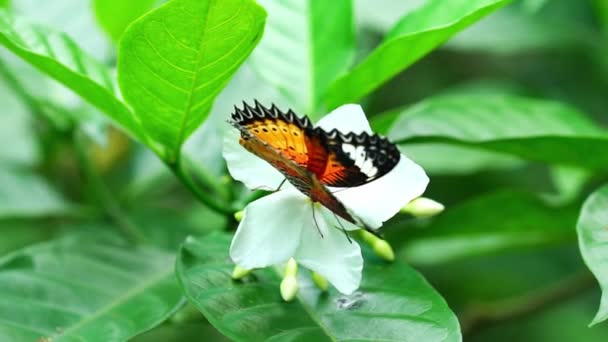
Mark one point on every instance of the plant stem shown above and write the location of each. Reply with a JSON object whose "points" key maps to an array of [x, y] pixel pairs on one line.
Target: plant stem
{"points": [[480, 316], [103, 194], [202, 196]]}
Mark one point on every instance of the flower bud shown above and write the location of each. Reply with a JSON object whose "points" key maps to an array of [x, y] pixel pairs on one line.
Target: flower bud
{"points": [[423, 207], [320, 281], [384, 250], [289, 285], [239, 272], [238, 216], [289, 288]]}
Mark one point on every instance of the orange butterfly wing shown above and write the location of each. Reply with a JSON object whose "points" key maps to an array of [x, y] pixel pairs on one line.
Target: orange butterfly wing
{"points": [[281, 139]]}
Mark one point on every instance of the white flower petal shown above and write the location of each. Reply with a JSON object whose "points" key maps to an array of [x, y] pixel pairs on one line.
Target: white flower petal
{"points": [[332, 255], [270, 231], [248, 168], [346, 118], [381, 199]]}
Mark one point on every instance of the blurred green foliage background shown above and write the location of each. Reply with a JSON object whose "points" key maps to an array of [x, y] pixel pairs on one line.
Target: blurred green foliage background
{"points": [[504, 254]]}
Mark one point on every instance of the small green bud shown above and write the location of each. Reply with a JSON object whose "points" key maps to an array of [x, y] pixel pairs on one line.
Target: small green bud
{"points": [[225, 180], [320, 281], [289, 288], [239, 272], [291, 269], [423, 207], [368, 237], [238, 216], [384, 250]]}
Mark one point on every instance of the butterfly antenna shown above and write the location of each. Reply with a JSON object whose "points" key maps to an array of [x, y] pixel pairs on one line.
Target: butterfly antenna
{"points": [[314, 218], [342, 228]]}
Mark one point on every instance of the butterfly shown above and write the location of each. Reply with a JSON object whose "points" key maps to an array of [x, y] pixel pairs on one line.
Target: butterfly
{"points": [[311, 158]]}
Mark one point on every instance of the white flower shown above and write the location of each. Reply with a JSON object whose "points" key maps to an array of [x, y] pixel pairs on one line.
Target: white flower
{"points": [[281, 225]]}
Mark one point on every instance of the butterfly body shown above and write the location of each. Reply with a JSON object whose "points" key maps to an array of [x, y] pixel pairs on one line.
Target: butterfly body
{"points": [[311, 158]]}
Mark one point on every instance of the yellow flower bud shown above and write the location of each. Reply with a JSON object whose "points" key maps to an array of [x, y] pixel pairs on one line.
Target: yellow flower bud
{"points": [[384, 250], [423, 207], [320, 281], [291, 269], [289, 288], [239, 272]]}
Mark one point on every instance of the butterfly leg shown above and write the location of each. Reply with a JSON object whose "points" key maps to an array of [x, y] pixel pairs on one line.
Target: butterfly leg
{"points": [[342, 228], [266, 188], [280, 185], [314, 218]]}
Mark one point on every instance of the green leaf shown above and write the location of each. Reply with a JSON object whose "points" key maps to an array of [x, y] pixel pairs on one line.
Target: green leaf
{"points": [[175, 60], [20, 233], [81, 288], [24, 194], [415, 35], [527, 32], [196, 331], [592, 228], [489, 224], [115, 15], [564, 321], [306, 46], [381, 15], [399, 302], [446, 159], [536, 130], [56, 55], [601, 11]]}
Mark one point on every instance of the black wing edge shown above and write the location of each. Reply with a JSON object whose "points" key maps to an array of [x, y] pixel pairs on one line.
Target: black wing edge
{"points": [[250, 114], [384, 154]]}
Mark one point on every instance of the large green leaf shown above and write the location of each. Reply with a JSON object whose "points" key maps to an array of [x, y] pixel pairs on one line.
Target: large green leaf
{"points": [[536, 130], [394, 302], [24, 194], [115, 15], [20, 233], [592, 231], [306, 46], [175, 60], [413, 36], [85, 289], [491, 223]]}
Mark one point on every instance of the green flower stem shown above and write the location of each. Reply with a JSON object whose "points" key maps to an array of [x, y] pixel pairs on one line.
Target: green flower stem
{"points": [[103, 195], [207, 180], [210, 201]]}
